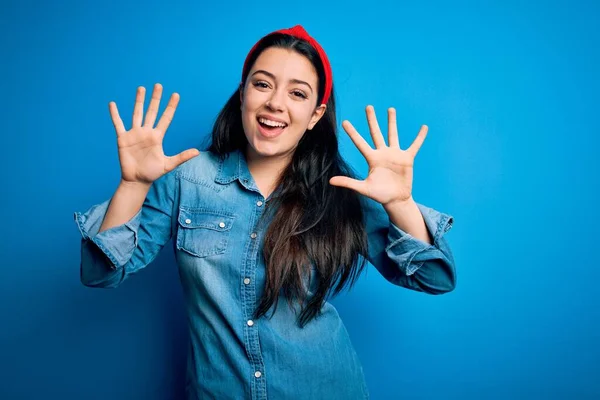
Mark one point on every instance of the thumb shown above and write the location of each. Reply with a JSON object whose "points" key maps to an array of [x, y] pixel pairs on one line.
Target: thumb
{"points": [[176, 160], [350, 183]]}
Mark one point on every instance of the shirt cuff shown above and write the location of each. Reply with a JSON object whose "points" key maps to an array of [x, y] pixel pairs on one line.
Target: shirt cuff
{"points": [[117, 243], [410, 252]]}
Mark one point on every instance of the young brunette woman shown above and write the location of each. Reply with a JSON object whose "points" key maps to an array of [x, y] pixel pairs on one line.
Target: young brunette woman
{"points": [[268, 223]]}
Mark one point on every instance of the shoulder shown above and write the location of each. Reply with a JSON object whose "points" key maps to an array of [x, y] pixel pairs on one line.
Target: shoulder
{"points": [[204, 167]]}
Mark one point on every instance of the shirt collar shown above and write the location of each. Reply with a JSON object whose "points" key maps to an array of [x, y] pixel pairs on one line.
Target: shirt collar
{"points": [[233, 166]]}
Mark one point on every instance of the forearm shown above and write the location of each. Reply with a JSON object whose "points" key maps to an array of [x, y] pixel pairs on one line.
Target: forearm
{"points": [[125, 203], [407, 216]]}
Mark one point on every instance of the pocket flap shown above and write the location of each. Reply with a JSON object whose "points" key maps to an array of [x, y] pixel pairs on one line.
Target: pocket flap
{"points": [[202, 218]]}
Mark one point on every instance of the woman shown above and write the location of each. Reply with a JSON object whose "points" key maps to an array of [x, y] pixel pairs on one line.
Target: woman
{"points": [[266, 224]]}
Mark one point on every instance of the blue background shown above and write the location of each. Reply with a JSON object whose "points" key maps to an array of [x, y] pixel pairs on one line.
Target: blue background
{"points": [[510, 94]]}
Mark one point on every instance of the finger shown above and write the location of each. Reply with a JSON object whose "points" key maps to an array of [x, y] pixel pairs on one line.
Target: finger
{"points": [[358, 140], [116, 119], [138, 109], [392, 128], [153, 108], [350, 183], [416, 144], [176, 160], [168, 114], [378, 139]]}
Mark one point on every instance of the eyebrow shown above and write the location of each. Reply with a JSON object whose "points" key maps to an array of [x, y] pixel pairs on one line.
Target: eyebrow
{"points": [[270, 75]]}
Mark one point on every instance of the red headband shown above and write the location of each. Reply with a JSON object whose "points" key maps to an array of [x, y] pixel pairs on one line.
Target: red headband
{"points": [[299, 32]]}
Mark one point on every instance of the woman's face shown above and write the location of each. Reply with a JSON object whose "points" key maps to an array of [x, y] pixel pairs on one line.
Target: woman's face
{"points": [[279, 102]]}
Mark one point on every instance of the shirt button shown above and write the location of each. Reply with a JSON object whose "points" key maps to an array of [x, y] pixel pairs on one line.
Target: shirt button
{"points": [[259, 203], [257, 374], [246, 281], [253, 235], [250, 322], [188, 221], [222, 224]]}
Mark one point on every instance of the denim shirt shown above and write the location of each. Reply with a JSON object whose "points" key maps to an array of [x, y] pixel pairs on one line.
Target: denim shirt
{"points": [[211, 209]]}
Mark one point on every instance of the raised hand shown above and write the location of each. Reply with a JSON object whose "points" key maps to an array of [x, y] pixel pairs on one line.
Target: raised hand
{"points": [[390, 168], [141, 152]]}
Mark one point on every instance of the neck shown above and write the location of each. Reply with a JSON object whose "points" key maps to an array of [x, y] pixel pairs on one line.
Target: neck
{"points": [[266, 170]]}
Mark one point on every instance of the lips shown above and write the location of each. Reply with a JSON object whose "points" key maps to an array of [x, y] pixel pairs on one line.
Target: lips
{"points": [[270, 118], [270, 132]]}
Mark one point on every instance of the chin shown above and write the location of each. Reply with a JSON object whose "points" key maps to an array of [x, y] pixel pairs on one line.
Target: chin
{"points": [[267, 149], [264, 149]]}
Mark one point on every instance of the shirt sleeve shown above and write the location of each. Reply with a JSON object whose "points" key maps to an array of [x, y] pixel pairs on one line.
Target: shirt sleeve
{"points": [[405, 260], [108, 257]]}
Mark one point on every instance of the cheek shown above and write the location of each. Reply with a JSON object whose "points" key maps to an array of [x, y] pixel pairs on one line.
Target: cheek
{"points": [[300, 126], [253, 98], [303, 117], [247, 112]]}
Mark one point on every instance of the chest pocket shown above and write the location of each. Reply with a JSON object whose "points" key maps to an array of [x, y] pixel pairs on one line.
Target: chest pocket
{"points": [[203, 232]]}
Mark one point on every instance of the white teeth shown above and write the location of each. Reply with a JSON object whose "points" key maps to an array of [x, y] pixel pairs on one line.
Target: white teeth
{"points": [[271, 123]]}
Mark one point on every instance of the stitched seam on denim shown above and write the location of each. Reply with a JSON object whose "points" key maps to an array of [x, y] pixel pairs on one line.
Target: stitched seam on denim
{"points": [[107, 253], [225, 179], [175, 205], [220, 172], [188, 211], [205, 210], [441, 228], [249, 299], [207, 225], [187, 231], [211, 252], [78, 218], [211, 226], [410, 271], [404, 238], [417, 266], [448, 224], [197, 181], [135, 234], [438, 229]]}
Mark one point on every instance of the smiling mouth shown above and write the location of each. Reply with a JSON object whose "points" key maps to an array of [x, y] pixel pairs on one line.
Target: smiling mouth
{"points": [[268, 124], [270, 129]]}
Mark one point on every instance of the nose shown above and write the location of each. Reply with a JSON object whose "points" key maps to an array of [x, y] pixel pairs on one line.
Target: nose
{"points": [[275, 102]]}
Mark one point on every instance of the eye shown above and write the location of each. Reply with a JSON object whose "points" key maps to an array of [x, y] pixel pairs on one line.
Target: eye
{"points": [[261, 84], [298, 93]]}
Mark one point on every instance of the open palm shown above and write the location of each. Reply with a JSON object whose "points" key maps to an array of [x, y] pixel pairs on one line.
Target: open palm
{"points": [[390, 168], [141, 152]]}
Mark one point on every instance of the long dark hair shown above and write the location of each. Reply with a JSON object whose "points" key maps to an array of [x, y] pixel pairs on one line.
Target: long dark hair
{"points": [[313, 222]]}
